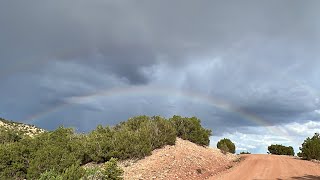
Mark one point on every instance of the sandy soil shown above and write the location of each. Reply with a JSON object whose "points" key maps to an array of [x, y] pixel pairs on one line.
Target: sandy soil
{"points": [[184, 160], [272, 167]]}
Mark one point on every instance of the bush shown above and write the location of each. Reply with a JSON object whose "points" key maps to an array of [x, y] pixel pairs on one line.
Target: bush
{"points": [[226, 145], [30, 157], [224, 149], [58, 154], [191, 129], [311, 148], [163, 132], [51, 174], [111, 170], [138, 136], [245, 152], [93, 174], [134, 138], [14, 159], [278, 149], [99, 144], [9, 136], [74, 172], [132, 143]]}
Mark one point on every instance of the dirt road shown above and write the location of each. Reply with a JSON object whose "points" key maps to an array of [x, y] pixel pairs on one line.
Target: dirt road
{"points": [[272, 167]]}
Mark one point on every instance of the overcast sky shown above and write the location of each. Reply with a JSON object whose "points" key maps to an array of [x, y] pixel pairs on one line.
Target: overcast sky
{"points": [[249, 70]]}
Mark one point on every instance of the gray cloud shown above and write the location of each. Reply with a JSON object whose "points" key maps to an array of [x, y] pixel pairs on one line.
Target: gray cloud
{"points": [[122, 36], [258, 58]]}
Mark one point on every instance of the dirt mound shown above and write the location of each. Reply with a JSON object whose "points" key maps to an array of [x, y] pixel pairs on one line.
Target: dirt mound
{"points": [[185, 160]]}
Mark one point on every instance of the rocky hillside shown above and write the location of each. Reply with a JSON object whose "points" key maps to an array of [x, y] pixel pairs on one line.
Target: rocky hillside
{"points": [[26, 129], [185, 160]]}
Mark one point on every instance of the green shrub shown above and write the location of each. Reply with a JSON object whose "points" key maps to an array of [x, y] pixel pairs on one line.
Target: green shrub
{"points": [[93, 174], [191, 129], [30, 157], [138, 136], [162, 132], [15, 158], [50, 175], [78, 147], [74, 172], [226, 145], [243, 152], [311, 148], [224, 149], [132, 144], [100, 144], [111, 170], [58, 154], [9, 136], [281, 150], [124, 141]]}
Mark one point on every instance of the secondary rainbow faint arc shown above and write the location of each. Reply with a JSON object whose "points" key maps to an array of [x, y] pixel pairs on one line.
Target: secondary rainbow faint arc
{"points": [[159, 91]]}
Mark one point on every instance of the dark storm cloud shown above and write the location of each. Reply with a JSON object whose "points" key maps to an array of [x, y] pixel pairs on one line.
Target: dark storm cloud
{"points": [[123, 36], [260, 57]]}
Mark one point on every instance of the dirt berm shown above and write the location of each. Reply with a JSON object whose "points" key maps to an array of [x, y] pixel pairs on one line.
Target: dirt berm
{"points": [[185, 160]]}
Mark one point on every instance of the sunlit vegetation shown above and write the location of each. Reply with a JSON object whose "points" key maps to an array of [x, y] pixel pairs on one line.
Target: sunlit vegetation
{"points": [[278, 149], [311, 148], [60, 154], [191, 129], [245, 152], [226, 145]]}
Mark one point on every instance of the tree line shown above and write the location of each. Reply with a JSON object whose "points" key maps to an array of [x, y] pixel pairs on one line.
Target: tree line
{"points": [[310, 148], [279, 149]]}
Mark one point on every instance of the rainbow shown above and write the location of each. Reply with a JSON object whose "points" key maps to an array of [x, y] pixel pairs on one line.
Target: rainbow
{"points": [[157, 91]]}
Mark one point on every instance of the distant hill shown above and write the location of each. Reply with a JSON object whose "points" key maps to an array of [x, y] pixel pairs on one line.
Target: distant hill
{"points": [[26, 129]]}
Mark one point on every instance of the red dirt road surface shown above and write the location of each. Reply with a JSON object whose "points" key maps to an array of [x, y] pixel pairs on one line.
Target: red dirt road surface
{"points": [[271, 167]]}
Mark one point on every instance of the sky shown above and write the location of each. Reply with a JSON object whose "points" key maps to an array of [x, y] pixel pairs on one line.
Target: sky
{"points": [[248, 69]]}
